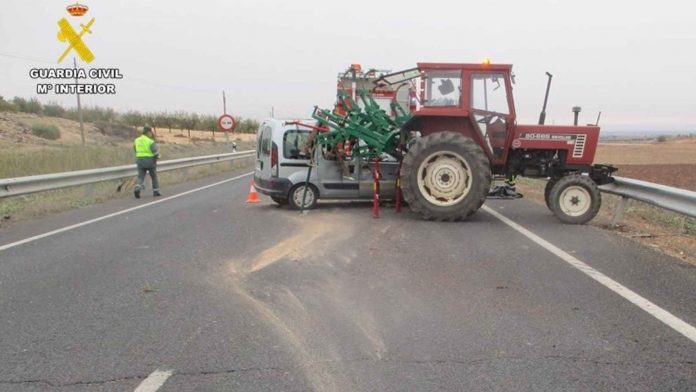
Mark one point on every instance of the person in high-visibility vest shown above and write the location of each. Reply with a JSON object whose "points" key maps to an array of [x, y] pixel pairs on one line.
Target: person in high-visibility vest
{"points": [[146, 156]]}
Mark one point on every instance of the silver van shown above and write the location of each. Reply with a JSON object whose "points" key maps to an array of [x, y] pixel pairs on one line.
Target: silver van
{"points": [[281, 168]]}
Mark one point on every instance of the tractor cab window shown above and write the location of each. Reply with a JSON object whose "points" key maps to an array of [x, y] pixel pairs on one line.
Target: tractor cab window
{"points": [[490, 108], [443, 88], [489, 93], [294, 141]]}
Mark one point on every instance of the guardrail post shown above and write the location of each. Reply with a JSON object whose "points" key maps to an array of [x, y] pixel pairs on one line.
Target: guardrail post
{"points": [[618, 212], [89, 192]]}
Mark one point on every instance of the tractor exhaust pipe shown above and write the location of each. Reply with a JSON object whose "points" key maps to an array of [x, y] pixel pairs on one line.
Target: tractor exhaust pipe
{"points": [[542, 116], [576, 113]]}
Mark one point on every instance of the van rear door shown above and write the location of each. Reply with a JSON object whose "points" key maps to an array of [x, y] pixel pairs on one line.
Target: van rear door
{"points": [[263, 152]]}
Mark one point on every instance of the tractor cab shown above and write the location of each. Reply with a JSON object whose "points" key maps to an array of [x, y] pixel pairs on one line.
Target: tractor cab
{"points": [[481, 92], [449, 93]]}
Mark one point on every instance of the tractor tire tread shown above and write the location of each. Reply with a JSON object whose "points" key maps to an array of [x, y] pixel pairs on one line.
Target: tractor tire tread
{"points": [[477, 160]]}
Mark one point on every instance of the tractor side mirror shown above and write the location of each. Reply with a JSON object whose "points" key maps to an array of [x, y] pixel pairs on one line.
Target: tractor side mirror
{"points": [[446, 86]]}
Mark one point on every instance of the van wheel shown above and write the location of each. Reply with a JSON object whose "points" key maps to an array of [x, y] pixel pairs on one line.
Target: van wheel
{"points": [[296, 194], [575, 199], [280, 200]]}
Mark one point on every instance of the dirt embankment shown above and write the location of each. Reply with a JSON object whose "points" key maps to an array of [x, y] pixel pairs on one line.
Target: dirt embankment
{"points": [[16, 132]]}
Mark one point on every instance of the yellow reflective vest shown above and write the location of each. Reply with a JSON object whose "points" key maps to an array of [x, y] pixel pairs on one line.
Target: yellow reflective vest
{"points": [[143, 146]]}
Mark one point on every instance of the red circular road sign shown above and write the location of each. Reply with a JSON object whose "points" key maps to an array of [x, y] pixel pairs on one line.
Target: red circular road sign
{"points": [[227, 123]]}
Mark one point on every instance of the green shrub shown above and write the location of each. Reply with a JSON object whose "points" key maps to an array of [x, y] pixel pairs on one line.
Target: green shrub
{"points": [[662, 139], [28, 106], [53, 110], [46, 131], [7, 106]]}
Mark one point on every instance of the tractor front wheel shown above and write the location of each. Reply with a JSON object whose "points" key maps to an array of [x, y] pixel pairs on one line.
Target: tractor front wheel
{"points": [[547, 190], [445, 176], [575, 199]]}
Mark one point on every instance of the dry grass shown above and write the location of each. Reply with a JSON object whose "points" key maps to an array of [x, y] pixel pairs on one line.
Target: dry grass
{"points": [[23, 162], [179, 136], [54, 159]]}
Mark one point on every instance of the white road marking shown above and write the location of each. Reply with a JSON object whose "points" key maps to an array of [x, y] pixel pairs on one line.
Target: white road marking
{"points": [[101, 218], [154, 381], [666, 317]]}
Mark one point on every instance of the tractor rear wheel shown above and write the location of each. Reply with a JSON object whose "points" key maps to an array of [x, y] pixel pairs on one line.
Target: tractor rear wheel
{"points": [[575, 199], [445, 176]]}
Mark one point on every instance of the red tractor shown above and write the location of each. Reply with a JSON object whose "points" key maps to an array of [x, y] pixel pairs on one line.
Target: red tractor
{"points": [[467, 130]]}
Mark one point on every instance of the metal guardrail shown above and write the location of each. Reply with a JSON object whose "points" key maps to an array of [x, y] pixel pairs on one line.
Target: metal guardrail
{"points": [[48, 182], [667, 197]]}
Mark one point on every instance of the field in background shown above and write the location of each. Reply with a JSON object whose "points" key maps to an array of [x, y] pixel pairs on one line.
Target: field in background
{"points": [[672, 162], [179, 136]]}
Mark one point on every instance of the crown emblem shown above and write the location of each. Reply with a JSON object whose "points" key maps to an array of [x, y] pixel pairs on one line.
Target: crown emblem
{"points": [[77, 9]]}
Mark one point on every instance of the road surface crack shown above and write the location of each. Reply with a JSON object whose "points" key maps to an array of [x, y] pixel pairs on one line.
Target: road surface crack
{"points": [[72, 384]]}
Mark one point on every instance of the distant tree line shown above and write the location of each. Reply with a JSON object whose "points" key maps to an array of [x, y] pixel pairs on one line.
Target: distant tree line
{"points": [[108, 117]]}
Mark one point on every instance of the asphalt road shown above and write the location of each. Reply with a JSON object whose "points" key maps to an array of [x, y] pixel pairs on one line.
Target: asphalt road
{"points": [[206, 293]]}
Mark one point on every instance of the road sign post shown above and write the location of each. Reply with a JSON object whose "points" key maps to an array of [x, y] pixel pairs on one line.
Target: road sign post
{"points": [[227, 124]]}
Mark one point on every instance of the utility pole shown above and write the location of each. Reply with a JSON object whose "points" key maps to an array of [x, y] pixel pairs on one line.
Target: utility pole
{"points": [[272, 111], [79, 106]]}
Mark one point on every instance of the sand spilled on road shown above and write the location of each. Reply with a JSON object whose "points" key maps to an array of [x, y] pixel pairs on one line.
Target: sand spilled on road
{"points": [[303, 314], [314, 237]]}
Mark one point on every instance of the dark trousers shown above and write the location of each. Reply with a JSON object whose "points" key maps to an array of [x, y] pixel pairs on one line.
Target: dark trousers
{"points": [[147, 165]]}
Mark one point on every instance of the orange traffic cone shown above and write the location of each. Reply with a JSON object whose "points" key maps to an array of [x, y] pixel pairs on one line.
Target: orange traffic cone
{"points": [[253, 196]]}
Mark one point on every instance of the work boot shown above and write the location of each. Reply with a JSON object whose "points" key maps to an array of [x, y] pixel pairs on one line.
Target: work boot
{"points": [[136, 193], [156, 194]]}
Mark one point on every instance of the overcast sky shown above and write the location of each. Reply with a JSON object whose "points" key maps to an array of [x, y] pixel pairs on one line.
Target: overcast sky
{"points": [[634, 60]]}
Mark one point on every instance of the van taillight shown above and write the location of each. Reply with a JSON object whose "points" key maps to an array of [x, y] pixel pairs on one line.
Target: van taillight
{"points": [[274, 160]]}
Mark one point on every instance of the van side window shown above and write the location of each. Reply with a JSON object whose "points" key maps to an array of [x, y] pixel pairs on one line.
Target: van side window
{"points": [[293, 142], [265, 140]]}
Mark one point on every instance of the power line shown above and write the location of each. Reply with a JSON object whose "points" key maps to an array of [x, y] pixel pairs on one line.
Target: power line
{"points": [[34, 59]]}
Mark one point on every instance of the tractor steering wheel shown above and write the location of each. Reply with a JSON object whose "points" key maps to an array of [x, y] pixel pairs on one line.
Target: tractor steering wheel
{"points": [[488, 116]]}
